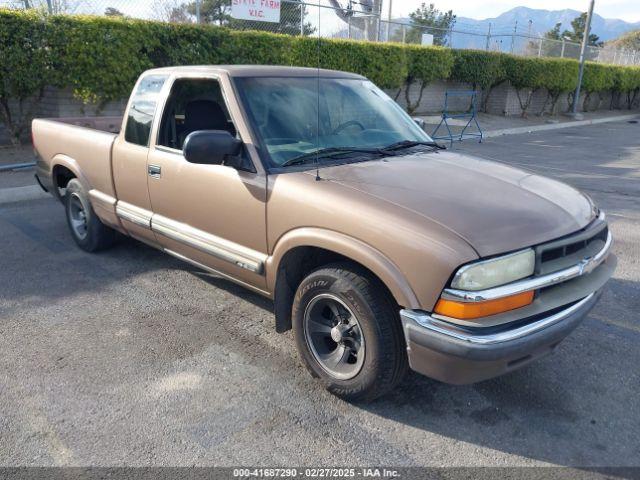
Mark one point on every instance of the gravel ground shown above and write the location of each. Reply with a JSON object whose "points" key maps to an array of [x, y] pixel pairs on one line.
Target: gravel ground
{"points": [[130, 357]]}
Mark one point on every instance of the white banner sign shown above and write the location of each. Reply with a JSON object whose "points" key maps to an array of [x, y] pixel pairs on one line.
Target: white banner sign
{"points": [[258, 10]]}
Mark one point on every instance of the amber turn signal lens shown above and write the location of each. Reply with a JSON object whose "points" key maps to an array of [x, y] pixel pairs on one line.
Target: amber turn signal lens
{"points": [[465, 311]]}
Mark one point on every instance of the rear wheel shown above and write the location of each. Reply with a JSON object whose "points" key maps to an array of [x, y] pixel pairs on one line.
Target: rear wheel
{"points": [[89, 233], [348, 332]]}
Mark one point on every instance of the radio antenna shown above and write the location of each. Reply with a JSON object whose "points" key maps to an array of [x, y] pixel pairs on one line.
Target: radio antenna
{"points": [[318, 100]]}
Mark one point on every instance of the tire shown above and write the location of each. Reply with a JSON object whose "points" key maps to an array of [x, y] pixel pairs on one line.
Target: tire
{"points": [[371, 347], [89, 233]]}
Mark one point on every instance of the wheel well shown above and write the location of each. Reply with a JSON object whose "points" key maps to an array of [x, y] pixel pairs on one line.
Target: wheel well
{"points": [[61, 176], [295, 265]]}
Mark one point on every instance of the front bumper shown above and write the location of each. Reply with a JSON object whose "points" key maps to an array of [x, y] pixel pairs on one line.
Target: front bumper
{"points": [[459, 355]]}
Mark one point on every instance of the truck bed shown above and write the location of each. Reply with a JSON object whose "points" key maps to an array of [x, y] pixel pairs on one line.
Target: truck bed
{"points": [[83, 143]]}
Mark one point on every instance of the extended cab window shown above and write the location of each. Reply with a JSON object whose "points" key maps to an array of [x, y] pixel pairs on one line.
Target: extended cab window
{"points": [[193, 104], [142, 108]]}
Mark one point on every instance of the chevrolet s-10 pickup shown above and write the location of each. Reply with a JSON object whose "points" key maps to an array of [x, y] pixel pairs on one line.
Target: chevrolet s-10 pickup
{"points": [[380, 249]]}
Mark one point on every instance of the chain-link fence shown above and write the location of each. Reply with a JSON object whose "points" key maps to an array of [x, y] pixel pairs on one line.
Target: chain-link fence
{"points": [[325, 20]]}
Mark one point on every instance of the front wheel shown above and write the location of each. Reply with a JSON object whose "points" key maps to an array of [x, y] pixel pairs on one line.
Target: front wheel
{"points": [[348, 332]]}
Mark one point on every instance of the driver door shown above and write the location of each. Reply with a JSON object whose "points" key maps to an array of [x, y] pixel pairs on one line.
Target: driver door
{"points": [[210, 215]]}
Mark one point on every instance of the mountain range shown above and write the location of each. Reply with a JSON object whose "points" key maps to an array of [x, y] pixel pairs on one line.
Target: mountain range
{"points": [[544, 20], [541, 21]]}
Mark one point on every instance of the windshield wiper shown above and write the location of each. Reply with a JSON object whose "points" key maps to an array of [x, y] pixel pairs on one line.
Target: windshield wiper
{"points": [[411, 143], [328, 153]]}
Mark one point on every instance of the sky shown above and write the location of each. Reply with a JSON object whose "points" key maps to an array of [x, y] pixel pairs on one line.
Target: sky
{"points": [[628, 10]]}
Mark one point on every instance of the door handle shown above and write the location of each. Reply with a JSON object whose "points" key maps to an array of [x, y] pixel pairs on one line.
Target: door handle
{"points": [[154, 171]]}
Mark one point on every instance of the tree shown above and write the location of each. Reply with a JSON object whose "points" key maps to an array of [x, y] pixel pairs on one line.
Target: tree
{"points": [[627, 41], [578, 25], [25, 69], [50, 6], [551, 43], [554, 33], [113, 12], [211, 11], [428, 19]]}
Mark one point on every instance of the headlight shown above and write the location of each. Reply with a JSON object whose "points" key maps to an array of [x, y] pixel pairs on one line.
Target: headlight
{"points": [[494, 272]]}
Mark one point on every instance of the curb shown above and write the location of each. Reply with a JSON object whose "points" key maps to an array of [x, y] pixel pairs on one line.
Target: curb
{"points": [[21, 194], [17, 166], [556, 126]]}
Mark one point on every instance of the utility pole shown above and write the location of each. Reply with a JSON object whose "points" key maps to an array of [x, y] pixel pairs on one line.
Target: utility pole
{"points": [[583, 49], [513, 36], [198, 12], [49, 6], [488, 37], [379, 23], [540, 46], [389, 21]]}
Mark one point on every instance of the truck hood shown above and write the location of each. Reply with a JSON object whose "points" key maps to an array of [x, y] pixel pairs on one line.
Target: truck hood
{"points": [[493, 207]]}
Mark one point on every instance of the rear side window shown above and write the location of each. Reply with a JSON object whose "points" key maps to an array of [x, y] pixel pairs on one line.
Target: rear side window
{"points": [[193, 104], [142, 109]]}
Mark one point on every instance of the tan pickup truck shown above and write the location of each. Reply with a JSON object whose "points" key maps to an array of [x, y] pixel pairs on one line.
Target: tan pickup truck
{"points": [[380, 249]]}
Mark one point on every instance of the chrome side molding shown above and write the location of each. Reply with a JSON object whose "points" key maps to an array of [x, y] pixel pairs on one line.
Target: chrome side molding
{"points": [[218, 247], [102, 200], [450, 330], [583, 267], [136, 215]]}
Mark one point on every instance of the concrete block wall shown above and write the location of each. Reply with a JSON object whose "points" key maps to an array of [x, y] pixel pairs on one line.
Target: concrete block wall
{"points": [[56, 103], [433, 97], [503, 100], [61, 103]]}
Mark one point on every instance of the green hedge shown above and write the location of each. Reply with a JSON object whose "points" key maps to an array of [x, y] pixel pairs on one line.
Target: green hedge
{"points": [[557, 76], [99, 58], [627, 83], [25, 66], [598, 78], [483, 70], [424, 65], [384, 64]]}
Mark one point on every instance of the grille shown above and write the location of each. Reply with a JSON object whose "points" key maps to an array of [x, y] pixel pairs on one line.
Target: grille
{"points": [[570, 250]]}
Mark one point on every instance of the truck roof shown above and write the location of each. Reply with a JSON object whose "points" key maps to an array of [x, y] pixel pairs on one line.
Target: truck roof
{"points": [[257, 71]]}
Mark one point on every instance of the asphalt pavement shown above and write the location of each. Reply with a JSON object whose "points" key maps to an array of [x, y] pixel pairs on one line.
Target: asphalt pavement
{"points": [[130, 357]]}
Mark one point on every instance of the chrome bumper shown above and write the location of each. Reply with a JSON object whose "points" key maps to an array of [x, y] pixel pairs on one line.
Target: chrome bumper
{"points": [[459, 355], [453, 331]]}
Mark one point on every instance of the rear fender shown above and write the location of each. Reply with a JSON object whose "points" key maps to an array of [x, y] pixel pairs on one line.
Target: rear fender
{"points": [[72, 165]]}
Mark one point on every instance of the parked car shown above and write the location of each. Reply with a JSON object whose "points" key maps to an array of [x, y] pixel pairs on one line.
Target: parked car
{"points": [[380, 249]]}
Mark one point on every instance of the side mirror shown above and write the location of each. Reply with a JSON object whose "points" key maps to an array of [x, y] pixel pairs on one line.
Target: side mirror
{"points": [[420, 122], [210, 147]]}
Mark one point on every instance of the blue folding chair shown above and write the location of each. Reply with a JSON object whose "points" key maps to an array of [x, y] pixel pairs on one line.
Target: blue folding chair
{"points": [[470, 114]]}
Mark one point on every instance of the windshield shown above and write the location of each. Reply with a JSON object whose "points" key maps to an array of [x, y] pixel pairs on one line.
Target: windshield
{"points": [[299, 116]]}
